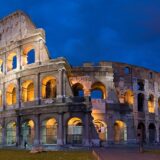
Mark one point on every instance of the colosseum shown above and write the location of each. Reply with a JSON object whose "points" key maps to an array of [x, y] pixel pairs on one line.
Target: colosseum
{"points": [[46, 102]]}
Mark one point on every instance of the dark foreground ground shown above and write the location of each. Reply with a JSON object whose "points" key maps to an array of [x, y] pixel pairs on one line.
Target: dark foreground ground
{"points": [[124, 153], [109, 153], [6, 154]]}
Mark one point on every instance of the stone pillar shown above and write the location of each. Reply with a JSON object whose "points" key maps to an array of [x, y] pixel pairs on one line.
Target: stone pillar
{"points": [[156, 107], [60, 139], [4, 136], [86, 125], [63, 82], [4, 64], [37, 89], [135, 111], [146, 117], [18, 131], [110, 128], [4, 97], [19, 58], [37, 131], [157, 133], [147, 131], [135, 105], [131, 131], [37, 45], [60, 84], [18, 97]]}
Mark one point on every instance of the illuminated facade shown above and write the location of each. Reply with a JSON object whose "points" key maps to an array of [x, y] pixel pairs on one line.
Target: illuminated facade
{"points": [[47, 102]]}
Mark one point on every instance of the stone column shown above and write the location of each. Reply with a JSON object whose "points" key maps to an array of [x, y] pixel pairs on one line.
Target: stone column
{"points": [[110, 129], [4, 97], [19, 58], [60, 84], [37, 45], [86, 128], [157, 133], [146, 117], [131, 131], [4, 64], [156, 107], [63, 82], [37, 89], [37, 131], [135, 111], [18, 131], [4, 136], [18, 97], [60, 138], [147, 131]]}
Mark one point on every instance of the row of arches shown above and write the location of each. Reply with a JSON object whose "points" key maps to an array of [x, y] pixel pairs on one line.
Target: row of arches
{"points": [[120, 131], [151, 131], [98, 90], [49, 134], [48, 90], [28, 57], [150, 103]]}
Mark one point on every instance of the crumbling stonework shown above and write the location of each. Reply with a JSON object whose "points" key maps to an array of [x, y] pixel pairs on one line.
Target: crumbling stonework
{"points": [[47, 102]]}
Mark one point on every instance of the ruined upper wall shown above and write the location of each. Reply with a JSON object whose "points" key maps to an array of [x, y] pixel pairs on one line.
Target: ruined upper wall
{"points": [[15, 27]]}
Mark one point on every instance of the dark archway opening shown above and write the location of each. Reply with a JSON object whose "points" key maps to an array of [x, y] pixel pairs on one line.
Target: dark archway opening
{"points": [[140, 102], [31, 56], [152, 133], [141, 128], [78, 90]]}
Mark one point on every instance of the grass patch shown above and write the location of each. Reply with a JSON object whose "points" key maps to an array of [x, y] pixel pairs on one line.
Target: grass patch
{"points": [[152, 151], [55, 155]]}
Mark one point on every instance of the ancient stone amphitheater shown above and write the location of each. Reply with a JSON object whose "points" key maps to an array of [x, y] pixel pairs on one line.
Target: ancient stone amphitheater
{"points": [[46, 102]]}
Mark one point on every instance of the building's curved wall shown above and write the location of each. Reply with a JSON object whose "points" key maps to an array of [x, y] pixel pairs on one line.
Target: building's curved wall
{"points": [[47, 102]]}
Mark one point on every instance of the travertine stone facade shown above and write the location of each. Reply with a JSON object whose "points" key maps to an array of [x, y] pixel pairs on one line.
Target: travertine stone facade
{"points": [[47, 102]]}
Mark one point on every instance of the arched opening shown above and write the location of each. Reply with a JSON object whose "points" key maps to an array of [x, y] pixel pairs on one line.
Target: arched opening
{"points": [[101, 128], [74, 131], [11, 94], [140, 102], [120, 132], [11, 61], [31, 56], [49, 87], [151, 108], [28, 132], [49, 131], [28, 55], [129, 97], [11, 133], [140, 85], [98, 91], [141, 131], [28, 91], [0, 134], [78, 90], [152, 133], [1, 66]]}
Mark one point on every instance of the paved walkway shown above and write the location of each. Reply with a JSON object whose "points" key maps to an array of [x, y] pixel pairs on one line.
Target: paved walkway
{"points": [[124, 154]]}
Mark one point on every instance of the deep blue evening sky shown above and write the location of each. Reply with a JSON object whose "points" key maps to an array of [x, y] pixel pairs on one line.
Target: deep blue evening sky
{"points": [[94, 30]]}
